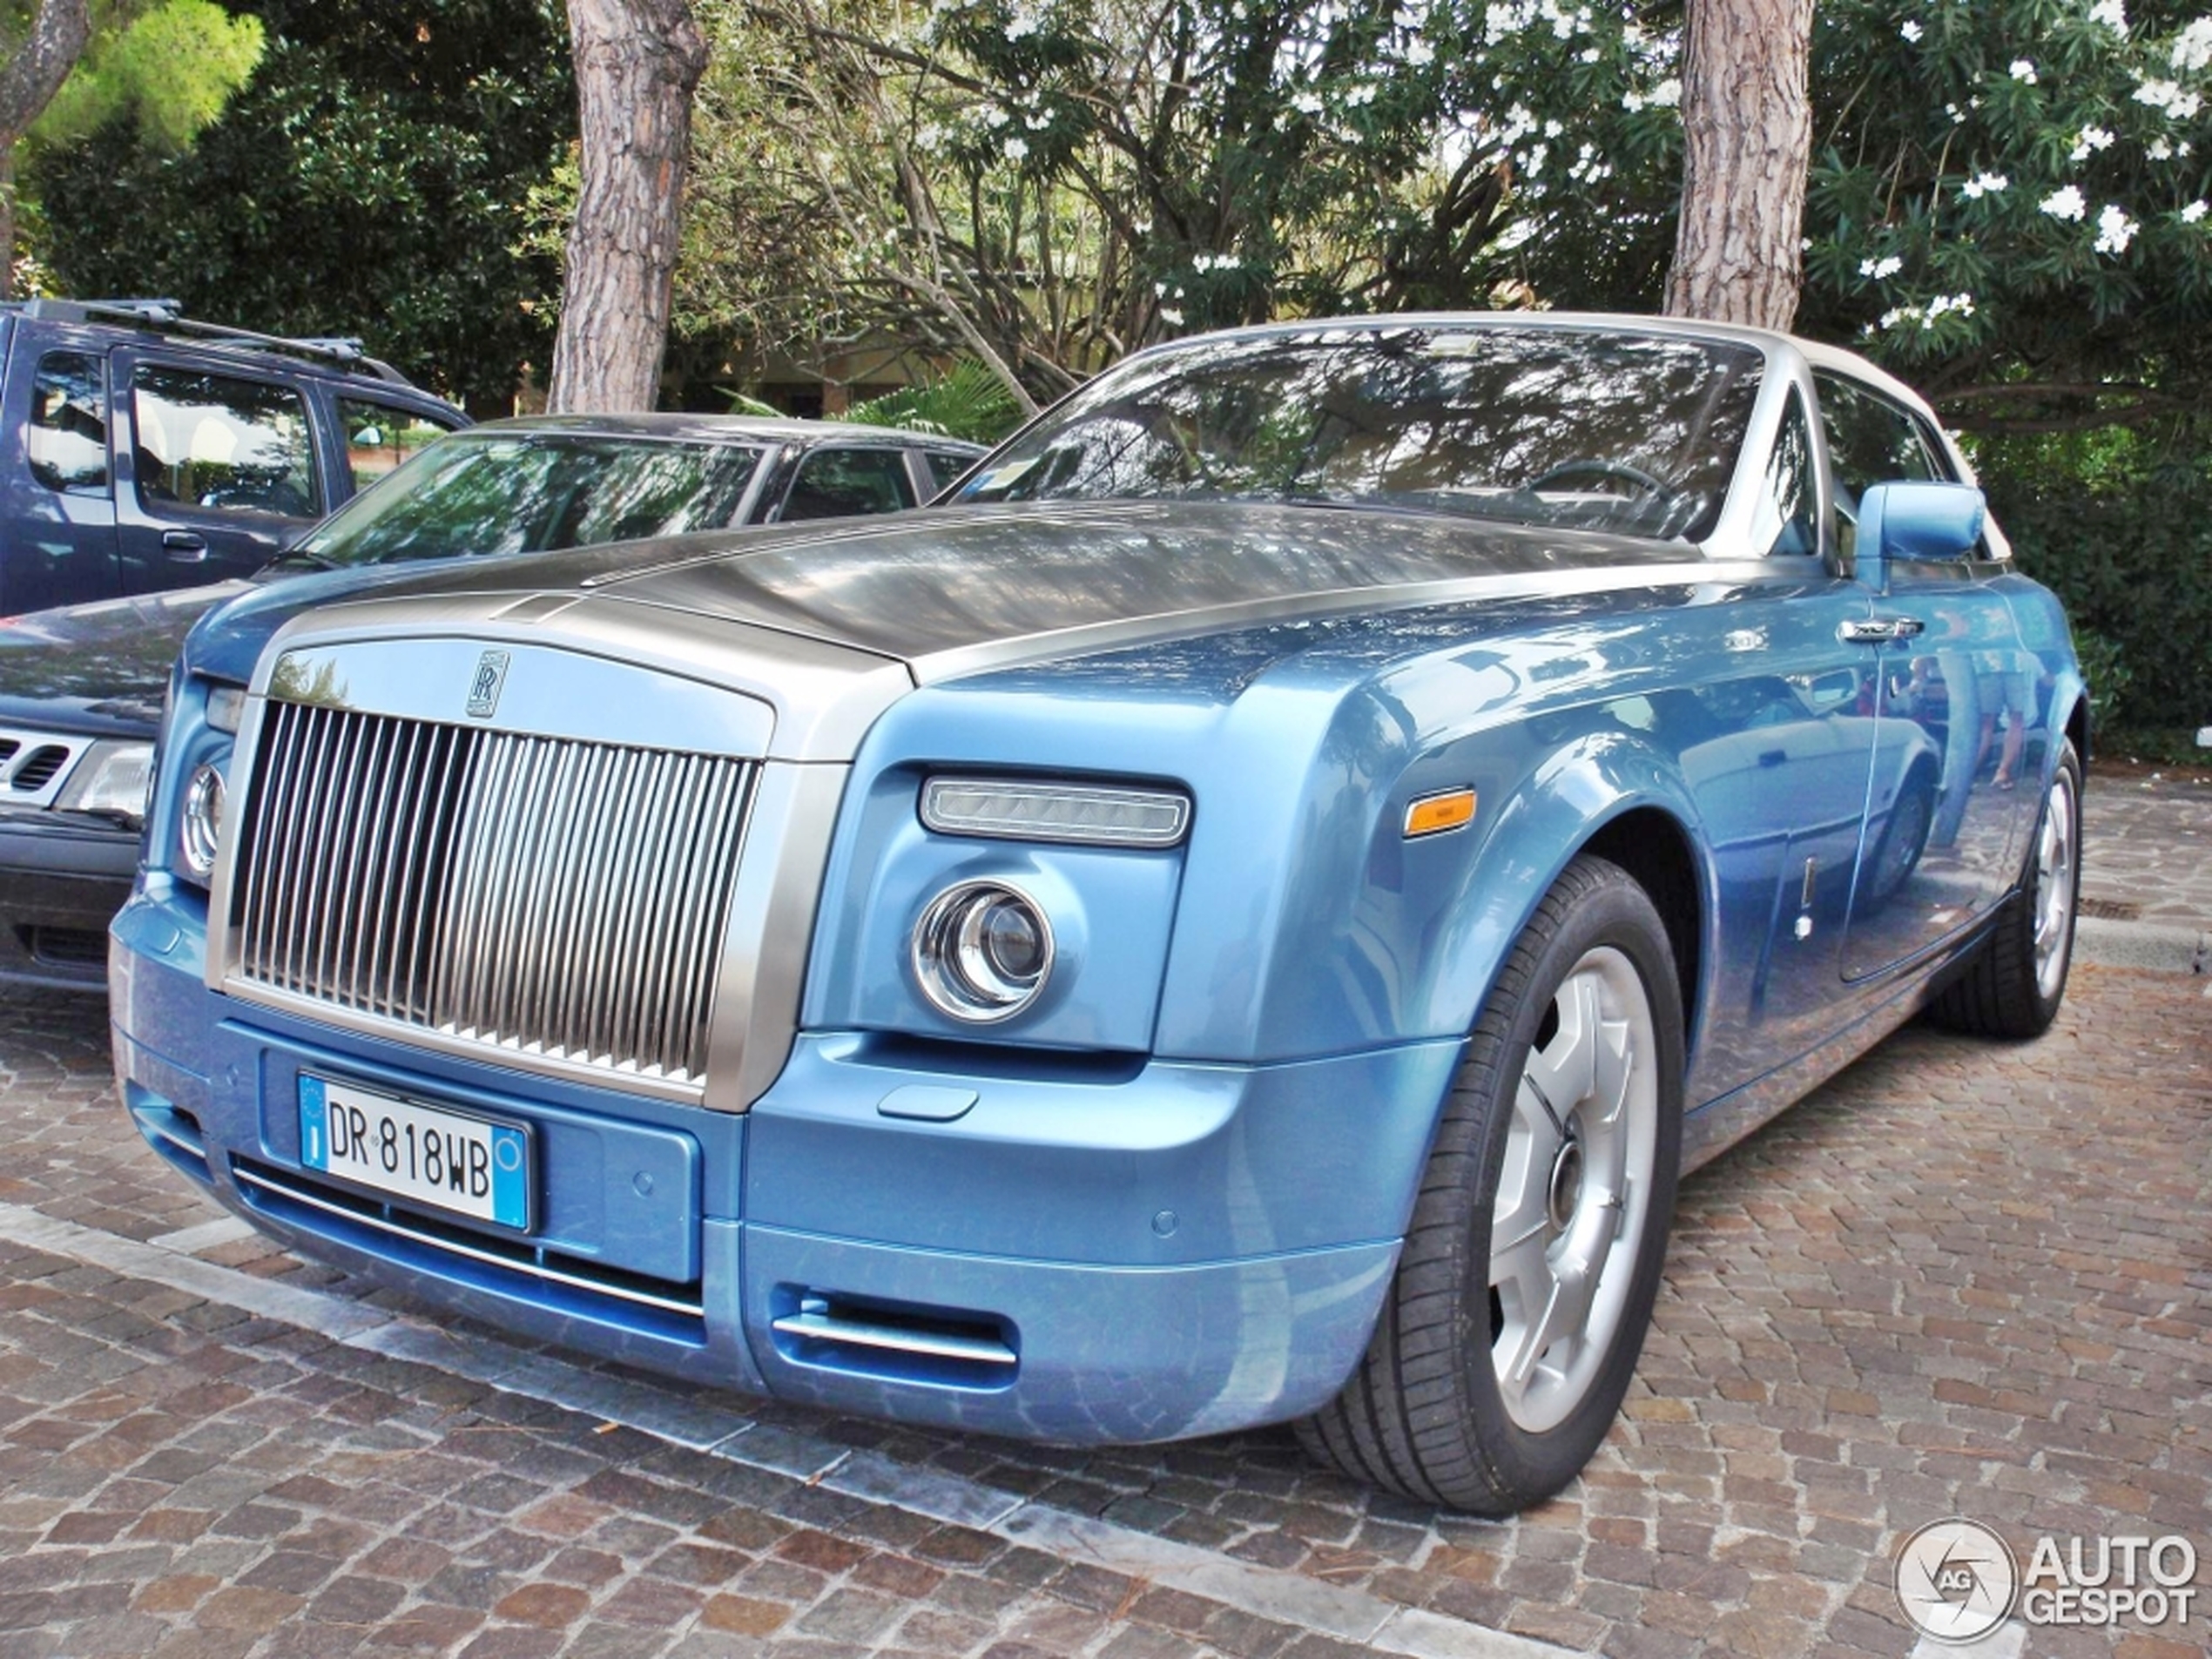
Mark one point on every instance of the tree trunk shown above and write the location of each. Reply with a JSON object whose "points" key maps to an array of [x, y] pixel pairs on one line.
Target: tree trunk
{"points": [[36, 66], [1747, 130], [637, 62]]}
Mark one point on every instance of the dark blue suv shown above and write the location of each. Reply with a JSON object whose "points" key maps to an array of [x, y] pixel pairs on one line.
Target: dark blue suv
{"points": [[140, 449]]}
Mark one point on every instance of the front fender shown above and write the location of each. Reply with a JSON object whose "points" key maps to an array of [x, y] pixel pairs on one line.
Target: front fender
{"points": [[1368, 937]]}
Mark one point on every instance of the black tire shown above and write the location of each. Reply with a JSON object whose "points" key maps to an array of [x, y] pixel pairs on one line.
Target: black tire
{"points": [[1427, 1414], [2012, 985]]}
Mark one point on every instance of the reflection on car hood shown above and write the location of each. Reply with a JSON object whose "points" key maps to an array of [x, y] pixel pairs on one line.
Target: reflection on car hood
{"points": [[928, 584], [99, 667]]}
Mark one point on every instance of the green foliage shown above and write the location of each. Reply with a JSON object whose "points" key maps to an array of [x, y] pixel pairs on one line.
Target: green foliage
{"points": [[171, 67], [371, 178], [2134, 565], [1045, 185], [2009, 199], [967, 402]]}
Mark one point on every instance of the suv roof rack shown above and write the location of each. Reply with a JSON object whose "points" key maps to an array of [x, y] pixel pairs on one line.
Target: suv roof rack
{"points": [[167, 316]]}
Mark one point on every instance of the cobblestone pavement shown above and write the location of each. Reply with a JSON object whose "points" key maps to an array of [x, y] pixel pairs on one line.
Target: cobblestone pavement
{"points": [[1962, 1278]]}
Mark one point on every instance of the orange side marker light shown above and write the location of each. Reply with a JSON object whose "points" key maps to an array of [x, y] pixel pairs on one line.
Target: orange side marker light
{"points": [[1434, 814]]}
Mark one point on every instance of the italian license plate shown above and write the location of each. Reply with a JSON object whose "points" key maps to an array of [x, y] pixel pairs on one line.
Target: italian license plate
{"points": [[447, 1160]]}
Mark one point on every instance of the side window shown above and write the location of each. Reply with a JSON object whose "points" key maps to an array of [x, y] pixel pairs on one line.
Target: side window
{"points": [[832, 482], [222, 443], [944, 466], [67, 438], [1789, 511], [1871, 441], [380, 436]]}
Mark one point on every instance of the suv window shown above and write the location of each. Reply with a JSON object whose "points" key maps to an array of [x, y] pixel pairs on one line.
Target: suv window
{"points": [[833, 482], [222, 443], [67, 438], [379, 436]]}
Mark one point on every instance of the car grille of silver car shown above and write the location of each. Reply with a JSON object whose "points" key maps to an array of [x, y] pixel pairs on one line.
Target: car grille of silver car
{"points": [[543, 896]]}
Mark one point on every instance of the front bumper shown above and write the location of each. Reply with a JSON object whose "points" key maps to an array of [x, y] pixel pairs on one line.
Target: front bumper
{"points": [[62, 877], [1081, 1252]]}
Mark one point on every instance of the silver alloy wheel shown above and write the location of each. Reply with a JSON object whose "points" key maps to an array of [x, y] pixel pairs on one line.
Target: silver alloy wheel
{"points": [[1574, 1191], [2055, 884]]}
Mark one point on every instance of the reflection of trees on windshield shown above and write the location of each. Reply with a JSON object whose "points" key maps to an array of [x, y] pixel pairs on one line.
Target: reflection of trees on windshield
{"points": [[498, 494], [1543, 425]]}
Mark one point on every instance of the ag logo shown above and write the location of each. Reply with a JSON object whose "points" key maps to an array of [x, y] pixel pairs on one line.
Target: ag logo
{"points": [[483, 690], [1956, 1581]]}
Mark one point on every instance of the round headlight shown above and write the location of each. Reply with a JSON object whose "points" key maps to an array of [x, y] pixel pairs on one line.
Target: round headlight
{"points": [[982, 951], [201, 835]]}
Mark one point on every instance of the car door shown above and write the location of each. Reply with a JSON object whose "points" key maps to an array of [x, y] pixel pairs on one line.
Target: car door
{"points": [[1953, 704], [61, 545], [1774, 733], [215, 466]]}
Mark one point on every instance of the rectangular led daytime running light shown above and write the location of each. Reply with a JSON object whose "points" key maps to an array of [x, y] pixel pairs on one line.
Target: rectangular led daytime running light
{"points": [[1082, 814]]}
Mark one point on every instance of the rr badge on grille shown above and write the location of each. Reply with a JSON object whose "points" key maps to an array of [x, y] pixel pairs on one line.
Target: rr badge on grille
{"points": [[483, 690]]}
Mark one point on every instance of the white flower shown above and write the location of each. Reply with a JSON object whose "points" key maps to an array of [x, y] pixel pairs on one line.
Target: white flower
{"points": [[1419, 53], [2022, 70], [1016, 148], [1943, 303], [1306, 102], [1911, 31], [2091, 138], [1171, 316], [2114, 230], [2168, 97], [2193, 46], [2193, 213], [1958, 116], [2113, 14], [1881, 269], [1667, 94], [2066, 204], [1985, 184], [2159, 150]]}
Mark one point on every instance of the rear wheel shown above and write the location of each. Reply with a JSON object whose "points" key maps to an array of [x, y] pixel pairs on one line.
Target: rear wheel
{"points": [[1528, 1273], [2014, 985]]}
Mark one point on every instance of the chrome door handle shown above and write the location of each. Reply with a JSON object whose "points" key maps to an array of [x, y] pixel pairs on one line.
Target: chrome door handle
{"points": [[1874, 629]]}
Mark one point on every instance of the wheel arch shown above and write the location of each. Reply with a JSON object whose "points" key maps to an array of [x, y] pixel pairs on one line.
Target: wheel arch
{"points": [[1654, 848], [2076, 727], [1624, 802]]}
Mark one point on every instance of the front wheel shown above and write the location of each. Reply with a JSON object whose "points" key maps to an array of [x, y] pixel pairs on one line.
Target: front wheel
{"points": [[1527, 1280]]}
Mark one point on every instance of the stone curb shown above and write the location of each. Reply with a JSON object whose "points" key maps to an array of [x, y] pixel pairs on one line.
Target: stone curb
{"points": [[2161, 946]]}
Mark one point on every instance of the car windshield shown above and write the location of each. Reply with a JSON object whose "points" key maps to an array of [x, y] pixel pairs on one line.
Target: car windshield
{"points": [[1542, 425], [530, 492]]}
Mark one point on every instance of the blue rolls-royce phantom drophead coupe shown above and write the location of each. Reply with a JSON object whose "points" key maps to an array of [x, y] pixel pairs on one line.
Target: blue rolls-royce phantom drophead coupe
{"points": [[1243, 916]]}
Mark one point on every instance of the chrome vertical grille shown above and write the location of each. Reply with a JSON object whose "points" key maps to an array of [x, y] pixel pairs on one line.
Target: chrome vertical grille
{"points": [[543, 896]]}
